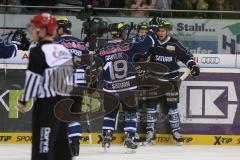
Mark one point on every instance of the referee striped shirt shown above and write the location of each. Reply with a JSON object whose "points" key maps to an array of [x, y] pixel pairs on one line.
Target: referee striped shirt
{"points": [[49, 73]]}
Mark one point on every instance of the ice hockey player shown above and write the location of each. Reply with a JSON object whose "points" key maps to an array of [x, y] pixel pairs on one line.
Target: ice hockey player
{"points": [[142, 34], [49, 134], [18, 41], [77, 48], [145, 29], [168, 51], [117, 79]]}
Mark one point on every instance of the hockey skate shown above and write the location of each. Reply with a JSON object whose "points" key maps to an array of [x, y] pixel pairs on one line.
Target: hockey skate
{"points": [[150, 136], [130, 144], [74, 145], [106, 140], [139, 140], [177, 138]]}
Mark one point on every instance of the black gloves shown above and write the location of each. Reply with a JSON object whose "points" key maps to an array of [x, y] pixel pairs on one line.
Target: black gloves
{"points": [[194, 71], [19, 38]]}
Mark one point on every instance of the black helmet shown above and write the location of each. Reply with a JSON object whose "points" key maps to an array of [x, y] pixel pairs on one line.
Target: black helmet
{"points": [[163, 23], [118, 30], [142, 25], [64, 23], [153, 23]]}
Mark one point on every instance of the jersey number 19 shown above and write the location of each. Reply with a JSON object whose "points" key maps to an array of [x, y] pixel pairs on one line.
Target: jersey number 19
{"points": [[117, 69]]}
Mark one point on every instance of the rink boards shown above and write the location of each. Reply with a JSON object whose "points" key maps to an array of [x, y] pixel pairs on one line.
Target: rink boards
{"points": [[209, 110], [161, 139]]}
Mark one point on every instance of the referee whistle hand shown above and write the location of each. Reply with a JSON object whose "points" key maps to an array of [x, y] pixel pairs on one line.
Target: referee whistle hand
{"points": [[21, 107]]}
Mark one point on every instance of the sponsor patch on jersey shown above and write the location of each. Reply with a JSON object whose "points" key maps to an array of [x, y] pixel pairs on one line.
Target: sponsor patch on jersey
{"points": [[170, 48], [56, 54]]}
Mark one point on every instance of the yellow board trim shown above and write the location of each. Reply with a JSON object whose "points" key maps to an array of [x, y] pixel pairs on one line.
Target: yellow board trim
{"points": [[164, 139]]}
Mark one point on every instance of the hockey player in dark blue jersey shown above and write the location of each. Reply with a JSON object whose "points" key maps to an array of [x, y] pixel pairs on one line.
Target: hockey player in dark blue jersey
{"points": [[116, 56], [142, 32], [77, 48], [18, 42], [7, 50], [168, 51]]}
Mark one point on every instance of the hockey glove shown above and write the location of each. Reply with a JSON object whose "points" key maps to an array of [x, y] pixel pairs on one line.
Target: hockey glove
{"points": [[194, 71], [19, 38]]}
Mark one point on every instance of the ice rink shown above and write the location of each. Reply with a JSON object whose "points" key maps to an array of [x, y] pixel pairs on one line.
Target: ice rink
{"points": [[117, 152]]}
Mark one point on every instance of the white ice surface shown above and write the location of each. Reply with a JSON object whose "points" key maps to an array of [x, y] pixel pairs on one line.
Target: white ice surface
{"points": [[117, 152]]}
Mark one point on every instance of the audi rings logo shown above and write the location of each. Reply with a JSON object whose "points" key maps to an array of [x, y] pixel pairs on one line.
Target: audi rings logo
{"points": [[210, 60]]}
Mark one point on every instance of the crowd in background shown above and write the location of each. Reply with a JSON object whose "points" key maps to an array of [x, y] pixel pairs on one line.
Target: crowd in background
{"points": [[211, 5]]}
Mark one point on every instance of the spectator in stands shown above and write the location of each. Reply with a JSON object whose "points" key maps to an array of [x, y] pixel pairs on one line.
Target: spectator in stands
{"points": [[14, 10], [2, 10], [10, 9], [177, 5], [220, 5], [139, 4], [162, 5], [195, 5], [117, 4], [101, 3], [39, 2], [236, 7]]}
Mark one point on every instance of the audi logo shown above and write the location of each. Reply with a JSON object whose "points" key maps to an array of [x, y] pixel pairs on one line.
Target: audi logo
{"points": [[210, 60]]}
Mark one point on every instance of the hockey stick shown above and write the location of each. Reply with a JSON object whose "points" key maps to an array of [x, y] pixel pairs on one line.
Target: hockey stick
{"points": [[88, 125], [116, 121], [185, 74], [89, 107]]}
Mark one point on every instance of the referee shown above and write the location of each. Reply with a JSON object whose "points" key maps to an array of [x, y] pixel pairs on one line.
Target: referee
{"points": [[49, 135]]}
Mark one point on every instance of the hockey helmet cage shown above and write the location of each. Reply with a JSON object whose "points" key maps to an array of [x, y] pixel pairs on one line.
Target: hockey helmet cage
{"points": [[142, 25], [153, 23], [45, 20], [117, 30], [64, 23], [163, 23]]}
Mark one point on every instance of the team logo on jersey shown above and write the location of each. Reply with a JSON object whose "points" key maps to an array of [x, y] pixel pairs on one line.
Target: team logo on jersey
{"points": [[113, 48], [72, 44], [59, 53], [170, 48]]}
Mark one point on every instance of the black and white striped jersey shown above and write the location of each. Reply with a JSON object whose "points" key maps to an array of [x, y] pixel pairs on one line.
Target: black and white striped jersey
{"points": [[49, 71]]}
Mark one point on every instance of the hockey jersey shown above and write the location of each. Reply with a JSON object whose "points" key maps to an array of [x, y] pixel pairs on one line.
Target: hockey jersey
{"points": [[47, 71], [117, 57], [168, 53], [77, 48], [7, 50]]}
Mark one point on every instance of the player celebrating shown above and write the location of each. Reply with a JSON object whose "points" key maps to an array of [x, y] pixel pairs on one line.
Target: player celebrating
{"points": [[168, 51], [142, 33], [77, 48], [19, 41], [117, 78]]}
